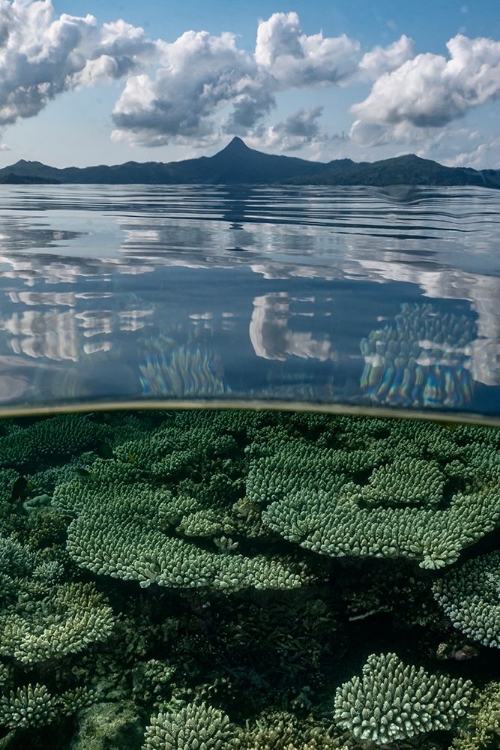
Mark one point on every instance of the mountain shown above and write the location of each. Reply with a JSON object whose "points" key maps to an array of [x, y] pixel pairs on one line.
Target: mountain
{"points": [[11, 178], [239, 164]]}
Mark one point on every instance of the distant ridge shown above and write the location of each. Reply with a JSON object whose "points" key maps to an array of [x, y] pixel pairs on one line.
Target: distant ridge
{"points": [[237, 164]]}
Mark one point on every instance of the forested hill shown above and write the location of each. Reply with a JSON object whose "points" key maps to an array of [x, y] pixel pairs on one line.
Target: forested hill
{"points": [[238, 164]]}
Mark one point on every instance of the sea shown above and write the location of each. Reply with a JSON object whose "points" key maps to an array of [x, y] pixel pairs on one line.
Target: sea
{"points": [[249, 467]]}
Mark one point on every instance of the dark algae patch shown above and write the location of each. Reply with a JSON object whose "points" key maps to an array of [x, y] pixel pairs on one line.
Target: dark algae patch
{"points": [[248, 579]]}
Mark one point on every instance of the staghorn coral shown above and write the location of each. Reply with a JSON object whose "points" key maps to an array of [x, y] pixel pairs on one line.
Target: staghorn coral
{"points": [[122, 536], [482, 731], [392, 701], [54, 438], [64, 619], [470, 597], [193, 726], [379, 488]]}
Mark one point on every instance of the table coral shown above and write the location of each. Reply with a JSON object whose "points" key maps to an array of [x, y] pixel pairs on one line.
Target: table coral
{"points": [[379, 488], [470, 597]]}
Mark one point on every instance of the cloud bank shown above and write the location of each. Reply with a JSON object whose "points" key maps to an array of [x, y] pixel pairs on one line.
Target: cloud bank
{"points": [[429, 91], [201, 74], [42, 56]]}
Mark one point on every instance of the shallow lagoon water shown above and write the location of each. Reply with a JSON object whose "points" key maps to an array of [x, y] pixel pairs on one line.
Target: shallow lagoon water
{"points": [[357, 297], [253, 578]]}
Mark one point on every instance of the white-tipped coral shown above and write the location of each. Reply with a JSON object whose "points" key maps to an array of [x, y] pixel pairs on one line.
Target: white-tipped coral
{"points": [[392, 701]]}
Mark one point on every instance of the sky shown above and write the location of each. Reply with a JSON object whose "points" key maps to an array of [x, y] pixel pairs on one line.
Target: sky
{"points": [[86, 82]]}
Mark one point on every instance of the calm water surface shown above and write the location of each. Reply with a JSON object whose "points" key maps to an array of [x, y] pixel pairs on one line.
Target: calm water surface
{"points": [[365, 297]]}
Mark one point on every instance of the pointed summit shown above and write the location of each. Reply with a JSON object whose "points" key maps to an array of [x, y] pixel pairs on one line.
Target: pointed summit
{"points": [[236, 146]]}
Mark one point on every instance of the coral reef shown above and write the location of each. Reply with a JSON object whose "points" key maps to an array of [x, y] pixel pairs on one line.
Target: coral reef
{"points": [[195, 725], [482, 731], [379, 488], [161, 587]]}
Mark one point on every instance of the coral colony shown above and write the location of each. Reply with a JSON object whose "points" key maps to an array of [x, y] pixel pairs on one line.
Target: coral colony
{"points": [[251, 580]]}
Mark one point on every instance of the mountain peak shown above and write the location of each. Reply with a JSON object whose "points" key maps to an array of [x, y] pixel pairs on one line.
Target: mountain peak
{"points": [[236, 146]]}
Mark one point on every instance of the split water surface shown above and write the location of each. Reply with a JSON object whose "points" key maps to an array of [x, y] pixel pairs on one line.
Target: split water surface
{"points": [[249, 468]]}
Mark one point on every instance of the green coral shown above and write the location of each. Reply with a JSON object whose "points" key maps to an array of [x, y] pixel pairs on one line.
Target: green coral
{"points": [[284, 731], [203, 508], [198, 726], [470, 597], [54, 438], [482, 731], [379, 488], [64, 619], [146, 515], [108, 726], [28, 706], [392, 701], [107, 542]]}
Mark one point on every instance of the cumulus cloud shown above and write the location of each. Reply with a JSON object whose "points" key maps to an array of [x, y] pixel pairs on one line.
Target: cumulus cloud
{"points": [[481, 157], [384, 59], [200, 74], [294, 59], [119, 50], [296, 131], [429, 91], [42, 55]]}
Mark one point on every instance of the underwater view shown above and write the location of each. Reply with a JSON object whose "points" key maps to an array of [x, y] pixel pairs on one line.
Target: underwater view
{"points": [[248, 579], [249, 468]]}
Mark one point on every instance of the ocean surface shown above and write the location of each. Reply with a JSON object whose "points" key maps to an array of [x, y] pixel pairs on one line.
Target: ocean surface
{"points": [[357, 297]]}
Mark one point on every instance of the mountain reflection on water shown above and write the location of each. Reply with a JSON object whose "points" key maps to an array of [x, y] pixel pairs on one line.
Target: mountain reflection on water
{"points": [[355, 296]]}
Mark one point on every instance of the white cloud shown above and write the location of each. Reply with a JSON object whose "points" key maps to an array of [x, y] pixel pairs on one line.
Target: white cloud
{"points": [[296, 131], [205, 85], [120, 49], [429, 91], [482, 156], [42, 55], [383, 59], [294, 59], [203, 74], [200, 74]]}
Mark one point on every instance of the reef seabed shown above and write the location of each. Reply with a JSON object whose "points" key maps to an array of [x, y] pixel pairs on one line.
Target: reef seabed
{"points": [[248, 579]]}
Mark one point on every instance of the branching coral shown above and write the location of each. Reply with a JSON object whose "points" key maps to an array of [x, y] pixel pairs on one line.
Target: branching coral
{"points": [[56, 438], [284, 731], [379, 488], [205, 511], [123, 531], [482, 731], [392, 701], [64, 619], [193, 726], [28, 706], [470, 597]]}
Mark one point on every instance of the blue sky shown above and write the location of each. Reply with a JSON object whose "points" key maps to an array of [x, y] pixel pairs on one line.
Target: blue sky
{"points": [[86, 82]]}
